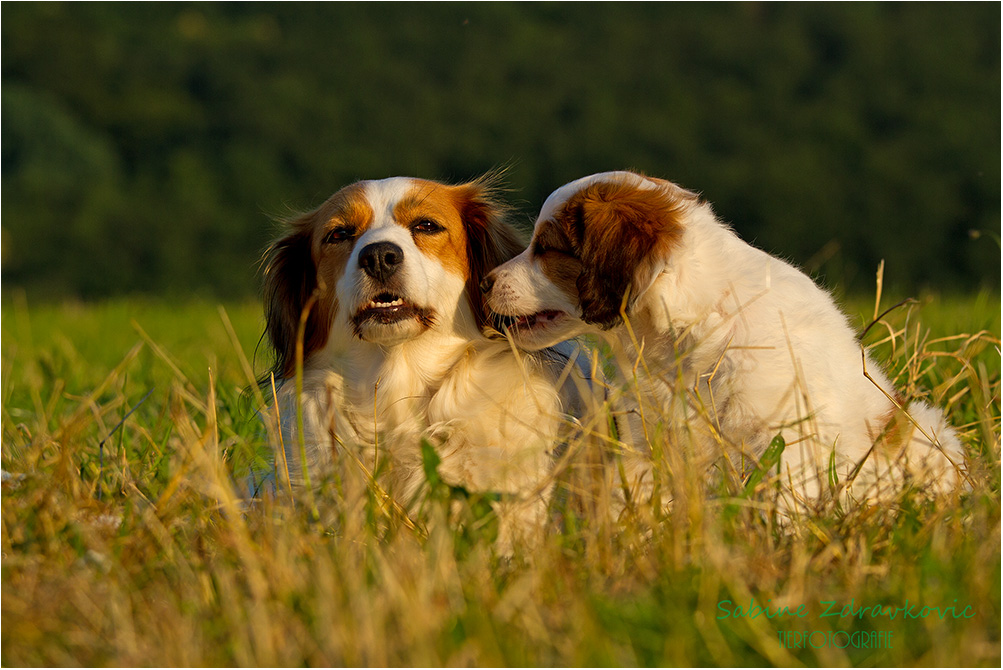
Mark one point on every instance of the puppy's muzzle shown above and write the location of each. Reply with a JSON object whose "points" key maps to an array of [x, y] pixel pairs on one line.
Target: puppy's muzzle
{"points": [[380, 260]]}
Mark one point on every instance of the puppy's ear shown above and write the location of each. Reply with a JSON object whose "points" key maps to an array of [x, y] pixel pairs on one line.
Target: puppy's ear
{"points": [[624, 233], [491, 240], [291, 286]]}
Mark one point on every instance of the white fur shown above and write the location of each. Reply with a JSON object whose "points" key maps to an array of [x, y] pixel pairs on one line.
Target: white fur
{"points": [[760, 350], [493, 415]]}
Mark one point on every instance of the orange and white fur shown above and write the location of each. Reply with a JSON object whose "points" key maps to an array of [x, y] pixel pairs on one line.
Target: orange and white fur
{"points": [[758, 348], [388, 272]]}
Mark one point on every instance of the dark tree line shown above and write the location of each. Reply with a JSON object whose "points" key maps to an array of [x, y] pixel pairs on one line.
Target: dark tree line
{"points": [[148, 147]]}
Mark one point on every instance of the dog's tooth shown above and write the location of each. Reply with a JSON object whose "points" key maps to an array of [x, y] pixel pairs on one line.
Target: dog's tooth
{"points": [[377, 304]]}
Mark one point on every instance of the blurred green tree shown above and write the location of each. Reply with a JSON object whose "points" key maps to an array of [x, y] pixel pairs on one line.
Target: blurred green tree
{"points": [[147, 147]]}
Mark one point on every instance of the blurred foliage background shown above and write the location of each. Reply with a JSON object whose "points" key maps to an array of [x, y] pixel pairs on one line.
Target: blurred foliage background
{"points": [[148, 148]]}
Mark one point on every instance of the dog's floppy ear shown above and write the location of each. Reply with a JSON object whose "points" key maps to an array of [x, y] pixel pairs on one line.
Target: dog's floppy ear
{"points": [[291, 286], [623, 232], [491, 240]]}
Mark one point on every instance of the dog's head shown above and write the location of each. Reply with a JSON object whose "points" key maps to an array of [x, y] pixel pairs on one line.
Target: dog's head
{"points": [[598, 245], [384, 262]]}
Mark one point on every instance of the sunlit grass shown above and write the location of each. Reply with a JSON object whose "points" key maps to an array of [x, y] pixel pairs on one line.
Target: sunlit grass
{"points": [[134, 547]]}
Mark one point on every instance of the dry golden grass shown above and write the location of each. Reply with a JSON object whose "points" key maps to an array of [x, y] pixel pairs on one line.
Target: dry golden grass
{"points": [[133, 546]]}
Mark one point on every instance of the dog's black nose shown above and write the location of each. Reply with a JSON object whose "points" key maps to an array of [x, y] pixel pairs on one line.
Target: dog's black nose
{"points": [[487, 283], [380, 260]]}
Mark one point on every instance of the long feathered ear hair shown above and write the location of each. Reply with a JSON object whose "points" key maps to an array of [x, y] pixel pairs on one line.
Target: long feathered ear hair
{"points": [[292, 288], [622, 231], [491, 240]]}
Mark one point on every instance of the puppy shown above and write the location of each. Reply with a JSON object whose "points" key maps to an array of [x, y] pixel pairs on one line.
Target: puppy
{"points": [[758, 348], [379, 286]]}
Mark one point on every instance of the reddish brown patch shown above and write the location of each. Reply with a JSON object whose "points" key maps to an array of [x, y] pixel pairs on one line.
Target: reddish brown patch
{"points": [[346, 209], [301, 271], [477, 237], [557, 258], [439, 204], [618, 230]]}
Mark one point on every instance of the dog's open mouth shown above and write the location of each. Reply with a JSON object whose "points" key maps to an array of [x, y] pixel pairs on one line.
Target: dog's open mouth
{"points": [[387, 308], [527, 323]]}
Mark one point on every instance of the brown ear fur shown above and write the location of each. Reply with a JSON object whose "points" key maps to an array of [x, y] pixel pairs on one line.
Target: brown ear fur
{"points": [[490, 239], [291, 286], [622, 230]]}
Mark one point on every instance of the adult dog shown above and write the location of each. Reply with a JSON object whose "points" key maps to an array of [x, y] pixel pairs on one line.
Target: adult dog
{"points": [[379, 286], [756, 348]]}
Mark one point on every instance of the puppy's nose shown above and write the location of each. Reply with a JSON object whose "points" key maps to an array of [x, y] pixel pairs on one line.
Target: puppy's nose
{"points": [[380, 260], [488, 282]]}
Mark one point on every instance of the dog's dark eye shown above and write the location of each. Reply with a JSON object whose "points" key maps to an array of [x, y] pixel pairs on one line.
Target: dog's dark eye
{"points": [[427, 226], [540, 249], [339, 234]]}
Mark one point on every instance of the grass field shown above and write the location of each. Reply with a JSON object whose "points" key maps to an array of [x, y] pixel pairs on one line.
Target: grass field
{"points": [[129, 545]]}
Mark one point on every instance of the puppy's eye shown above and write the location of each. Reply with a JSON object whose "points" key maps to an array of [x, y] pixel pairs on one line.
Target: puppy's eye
{"points": [[339, 234], [427, 227], [540, 250]]}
